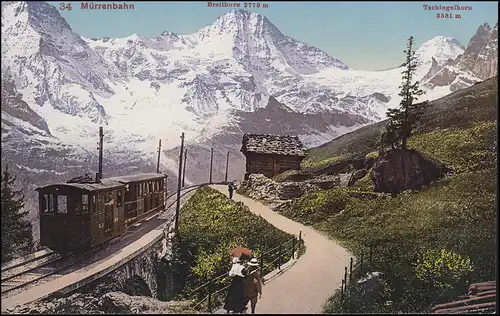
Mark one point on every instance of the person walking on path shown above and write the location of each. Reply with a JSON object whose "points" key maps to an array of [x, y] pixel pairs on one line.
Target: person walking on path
{"points": [[253, 285], [231, 190], [235, 300]]}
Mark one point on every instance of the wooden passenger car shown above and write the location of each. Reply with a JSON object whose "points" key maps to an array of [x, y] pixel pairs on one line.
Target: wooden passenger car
{"points": [[145, 194], [271, 155], [82, 216]]}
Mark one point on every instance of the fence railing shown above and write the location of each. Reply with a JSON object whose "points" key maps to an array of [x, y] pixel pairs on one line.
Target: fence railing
{"points": [[212, 292], [347, 286]]}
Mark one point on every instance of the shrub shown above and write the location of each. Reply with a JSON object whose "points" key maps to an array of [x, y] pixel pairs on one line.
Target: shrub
{"points": [[442, 268]]}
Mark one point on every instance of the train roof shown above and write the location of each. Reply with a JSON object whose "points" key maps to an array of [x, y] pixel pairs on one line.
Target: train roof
{"points": [[103, 185], [108, 183], [137, 177]]}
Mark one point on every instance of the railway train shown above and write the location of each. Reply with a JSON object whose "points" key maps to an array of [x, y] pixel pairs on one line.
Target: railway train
{"points": [[84, 214]]}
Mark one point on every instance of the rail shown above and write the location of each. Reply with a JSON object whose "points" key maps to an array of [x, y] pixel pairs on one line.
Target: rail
{"points": [[269, 260]]}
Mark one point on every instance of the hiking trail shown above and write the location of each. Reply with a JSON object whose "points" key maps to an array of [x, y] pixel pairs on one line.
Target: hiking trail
{"points": [[307, 285]]}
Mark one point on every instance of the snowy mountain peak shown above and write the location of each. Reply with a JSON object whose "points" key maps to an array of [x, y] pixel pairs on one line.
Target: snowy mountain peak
{"points": [[440, 48]]}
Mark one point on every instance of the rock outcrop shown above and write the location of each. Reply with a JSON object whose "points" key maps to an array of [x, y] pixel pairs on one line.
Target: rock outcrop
{"points": [[260, 187], [478, 62], [400, 170], [113, 302]]}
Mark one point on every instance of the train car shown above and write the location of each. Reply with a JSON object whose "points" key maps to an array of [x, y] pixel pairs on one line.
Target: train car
{"points": [[145, 194], [80, 216]]}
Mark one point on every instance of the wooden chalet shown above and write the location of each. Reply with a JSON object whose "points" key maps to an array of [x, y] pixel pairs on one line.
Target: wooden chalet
{"points": [[271, 154]]}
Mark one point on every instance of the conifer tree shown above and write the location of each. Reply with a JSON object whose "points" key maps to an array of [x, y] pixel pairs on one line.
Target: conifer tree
{"points": [[17, 235], [403, 120]]}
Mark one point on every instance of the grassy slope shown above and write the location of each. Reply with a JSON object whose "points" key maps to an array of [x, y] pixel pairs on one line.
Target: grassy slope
{"points": [[210, 225], [460, 109], [457, 213]]}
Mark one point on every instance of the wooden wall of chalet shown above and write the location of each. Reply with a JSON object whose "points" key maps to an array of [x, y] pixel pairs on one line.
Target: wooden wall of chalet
{"points": [[270, 165]]}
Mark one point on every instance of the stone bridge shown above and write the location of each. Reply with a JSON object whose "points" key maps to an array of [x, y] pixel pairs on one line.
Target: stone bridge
{"points": [[137, 263], [142, 272]]}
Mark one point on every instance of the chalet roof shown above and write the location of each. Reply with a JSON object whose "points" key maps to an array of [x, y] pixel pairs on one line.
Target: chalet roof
{"points": [[285, 145]]}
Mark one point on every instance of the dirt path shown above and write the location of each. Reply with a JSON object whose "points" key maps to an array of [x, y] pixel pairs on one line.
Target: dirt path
{"points": [[306, 286]]}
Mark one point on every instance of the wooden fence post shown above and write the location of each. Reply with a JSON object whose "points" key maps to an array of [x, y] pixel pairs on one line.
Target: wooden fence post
{"points": [[350, 271], [261, 264], [298, 247], [279, 257], [345, 277], [342, 290]]}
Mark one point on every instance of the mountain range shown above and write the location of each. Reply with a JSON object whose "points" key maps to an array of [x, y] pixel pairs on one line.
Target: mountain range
{"points": [[240, 74]]}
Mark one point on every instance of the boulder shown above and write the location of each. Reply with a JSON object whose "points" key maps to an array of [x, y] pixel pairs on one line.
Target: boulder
{"points": [[399, 170], [355, 176], [369, 162], [260, 187], [325, 182], [292, 190], [344, 179]]}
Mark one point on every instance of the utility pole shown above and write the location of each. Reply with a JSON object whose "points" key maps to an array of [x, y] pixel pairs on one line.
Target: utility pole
{"points": [[99, 172], [184, 167], [211, 163], [179, 184], [158, 162], [227, 166]]}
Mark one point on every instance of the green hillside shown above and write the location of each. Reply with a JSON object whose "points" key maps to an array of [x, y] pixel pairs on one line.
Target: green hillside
{"points": [[450, 224], [458, 110]]}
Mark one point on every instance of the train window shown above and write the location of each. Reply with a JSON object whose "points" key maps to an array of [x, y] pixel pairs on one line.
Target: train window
{"points": [[48, 204], [62, 204], [139, 189], [119, 198], [95, 203], [85, 204]]}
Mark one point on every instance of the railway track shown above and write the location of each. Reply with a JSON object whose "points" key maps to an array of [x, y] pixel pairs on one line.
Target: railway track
{"points": [[32, 273]]}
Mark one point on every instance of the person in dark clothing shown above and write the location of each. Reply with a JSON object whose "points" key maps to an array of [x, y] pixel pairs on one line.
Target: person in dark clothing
{"points": [[235, 299], [231, 190]]}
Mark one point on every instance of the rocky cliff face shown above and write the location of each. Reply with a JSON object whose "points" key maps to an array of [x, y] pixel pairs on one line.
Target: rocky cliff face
{"points": [[478, 62]]}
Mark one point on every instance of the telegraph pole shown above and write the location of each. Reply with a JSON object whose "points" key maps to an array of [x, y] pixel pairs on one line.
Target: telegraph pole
{"points": [[184, 167], [158, 162], [227, 166], [179, 184], [99, 172], [211, 163]]}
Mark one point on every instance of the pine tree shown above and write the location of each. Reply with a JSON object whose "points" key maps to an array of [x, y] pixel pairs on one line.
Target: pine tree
{"points": [[409, 112], [390, 136], [17, 237]]}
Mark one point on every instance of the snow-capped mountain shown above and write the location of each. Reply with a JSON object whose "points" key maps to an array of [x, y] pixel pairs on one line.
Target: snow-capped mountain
{"points": [[437, 51], [479, 61], [237, 75]]}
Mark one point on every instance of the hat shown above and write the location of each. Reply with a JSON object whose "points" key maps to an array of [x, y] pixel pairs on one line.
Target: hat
{"points": [[253, 262]]}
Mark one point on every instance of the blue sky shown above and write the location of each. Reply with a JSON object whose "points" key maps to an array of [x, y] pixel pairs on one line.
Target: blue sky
{"points": [[364, 35]]}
